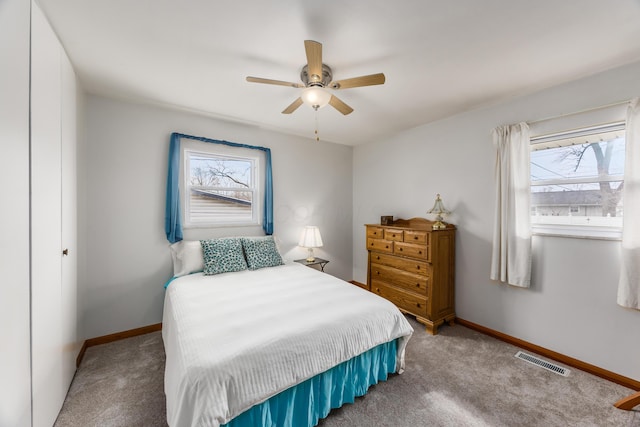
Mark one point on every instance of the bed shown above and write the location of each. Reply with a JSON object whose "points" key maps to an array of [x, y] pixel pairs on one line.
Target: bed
{"points": [[279, 345]]}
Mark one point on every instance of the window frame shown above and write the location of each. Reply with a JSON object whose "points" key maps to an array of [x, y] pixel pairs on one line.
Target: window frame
{"points": [[257, 160], [569, 226]]}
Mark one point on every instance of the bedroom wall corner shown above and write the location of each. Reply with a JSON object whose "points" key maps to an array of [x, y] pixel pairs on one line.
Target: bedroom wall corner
{"points": [[125, 161]]}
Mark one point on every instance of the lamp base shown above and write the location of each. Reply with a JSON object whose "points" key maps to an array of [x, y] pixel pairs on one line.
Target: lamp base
{"points": [[439, 225], [310, 258]]}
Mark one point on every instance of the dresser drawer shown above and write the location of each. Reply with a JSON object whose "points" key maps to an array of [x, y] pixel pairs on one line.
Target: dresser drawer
{"points": [[393, 234], [412, 250], [410, 265], [375, 232], [410, 281], [413, 236], [410, 302], [380, 245]]}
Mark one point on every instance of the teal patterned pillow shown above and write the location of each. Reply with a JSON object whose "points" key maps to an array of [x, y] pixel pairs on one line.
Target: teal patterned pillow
{"points": [[261, 252], [223, 255]]}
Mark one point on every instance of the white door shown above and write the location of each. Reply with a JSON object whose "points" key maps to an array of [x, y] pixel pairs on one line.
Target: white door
{"points": [[15, 343], [69, 294], [48, 391]]}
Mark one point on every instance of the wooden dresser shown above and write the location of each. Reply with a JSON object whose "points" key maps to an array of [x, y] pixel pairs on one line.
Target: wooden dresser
{"points": [[413, 266]]}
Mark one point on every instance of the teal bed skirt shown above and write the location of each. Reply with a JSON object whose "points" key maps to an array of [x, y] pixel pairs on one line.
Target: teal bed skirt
{"points": [[304, 404]]}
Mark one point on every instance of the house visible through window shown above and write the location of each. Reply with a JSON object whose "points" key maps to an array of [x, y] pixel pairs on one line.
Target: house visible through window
{"points": [[220, 189], [577, 181]]}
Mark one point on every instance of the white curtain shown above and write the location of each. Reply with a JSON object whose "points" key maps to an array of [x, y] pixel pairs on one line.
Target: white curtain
{"points": [[629, 285], [511, 257]]}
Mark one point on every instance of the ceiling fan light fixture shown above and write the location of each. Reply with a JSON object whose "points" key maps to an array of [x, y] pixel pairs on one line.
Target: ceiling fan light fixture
{"points": [[316, 78], [315, 96]]}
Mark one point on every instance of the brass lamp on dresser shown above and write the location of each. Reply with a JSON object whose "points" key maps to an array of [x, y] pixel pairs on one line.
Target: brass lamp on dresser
{"points": [[413, 266]]}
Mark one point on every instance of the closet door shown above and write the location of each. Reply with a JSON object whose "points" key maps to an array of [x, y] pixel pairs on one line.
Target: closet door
{"points": [[15, 342], [48, 391], [70, 343]]}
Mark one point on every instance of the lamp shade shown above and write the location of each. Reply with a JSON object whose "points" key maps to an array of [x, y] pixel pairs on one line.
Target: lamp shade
{"points": [[310, 237], [315, 96], [438, 207]]}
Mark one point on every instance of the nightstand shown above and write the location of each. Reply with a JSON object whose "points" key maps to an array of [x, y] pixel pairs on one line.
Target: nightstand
{"points": [[318, 261]]}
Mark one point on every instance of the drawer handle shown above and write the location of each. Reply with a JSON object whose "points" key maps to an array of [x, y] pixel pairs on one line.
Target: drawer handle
{"points": [[387, 247], [400, 249], [378, 273], [418, 305], [393, 235], [415, 237], [378, 257], [417, 285], [371, 243], [417, 267], [420, 252], [377, 289]]}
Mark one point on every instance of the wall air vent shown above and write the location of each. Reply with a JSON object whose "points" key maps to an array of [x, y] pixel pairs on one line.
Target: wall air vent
{"points": [[543, 364]]}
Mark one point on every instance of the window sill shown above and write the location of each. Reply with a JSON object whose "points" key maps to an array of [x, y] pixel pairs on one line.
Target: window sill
{"points": [[577, 231], [222, 225]]}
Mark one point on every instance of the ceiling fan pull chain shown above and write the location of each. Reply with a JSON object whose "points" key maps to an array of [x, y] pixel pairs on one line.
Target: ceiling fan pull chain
{"points": [[317, 135]]}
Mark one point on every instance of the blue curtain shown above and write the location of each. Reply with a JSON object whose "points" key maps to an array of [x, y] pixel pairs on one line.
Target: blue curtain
{"points": [[173, 216]]}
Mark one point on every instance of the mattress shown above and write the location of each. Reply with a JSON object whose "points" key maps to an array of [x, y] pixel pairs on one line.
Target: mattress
{"points": [[234, 340]]}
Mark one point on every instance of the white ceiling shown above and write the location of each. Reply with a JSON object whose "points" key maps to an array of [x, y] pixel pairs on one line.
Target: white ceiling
{"points": [[439, 57]]}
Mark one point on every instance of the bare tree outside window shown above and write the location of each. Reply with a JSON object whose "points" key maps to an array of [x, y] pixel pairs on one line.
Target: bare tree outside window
{"points": [[221, 175], [220, 189], [610, 192], [578, 175]]}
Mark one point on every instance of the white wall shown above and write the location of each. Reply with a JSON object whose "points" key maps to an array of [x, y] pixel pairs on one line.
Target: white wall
{"points": [[125, 169], [571, 306], [15, 387]]}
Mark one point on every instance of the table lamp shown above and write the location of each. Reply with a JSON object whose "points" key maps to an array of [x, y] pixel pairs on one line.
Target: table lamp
{"points": [[310, 238], [438, 209]]}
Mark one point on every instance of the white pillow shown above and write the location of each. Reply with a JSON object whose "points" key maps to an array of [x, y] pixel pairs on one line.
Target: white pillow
{"points": [[187, 257]]}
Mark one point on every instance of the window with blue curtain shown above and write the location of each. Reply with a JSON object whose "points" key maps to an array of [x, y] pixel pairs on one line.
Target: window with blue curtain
{"points": [[221, 187]]}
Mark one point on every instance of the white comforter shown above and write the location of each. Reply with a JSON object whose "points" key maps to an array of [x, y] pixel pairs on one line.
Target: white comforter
{"points": [[234, 340]]}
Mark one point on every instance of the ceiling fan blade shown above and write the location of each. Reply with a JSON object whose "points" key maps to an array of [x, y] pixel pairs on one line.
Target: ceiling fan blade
{"points": [[314, 60], [273, 82], [293, 107], [370, 80], [336, 103]]}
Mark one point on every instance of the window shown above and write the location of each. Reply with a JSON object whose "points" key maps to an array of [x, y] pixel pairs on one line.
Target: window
{"points": [[577, 181], [220, 188]]}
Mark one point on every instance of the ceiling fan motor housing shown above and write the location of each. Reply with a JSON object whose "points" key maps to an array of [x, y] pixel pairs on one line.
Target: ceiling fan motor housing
{"points": [[313, 80]]}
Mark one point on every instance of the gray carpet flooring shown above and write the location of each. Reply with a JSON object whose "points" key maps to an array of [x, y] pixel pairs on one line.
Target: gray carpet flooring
{"points": [[456, 378]]}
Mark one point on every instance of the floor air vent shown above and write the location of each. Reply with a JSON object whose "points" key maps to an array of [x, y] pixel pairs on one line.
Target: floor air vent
{"points": [[543, 364]]}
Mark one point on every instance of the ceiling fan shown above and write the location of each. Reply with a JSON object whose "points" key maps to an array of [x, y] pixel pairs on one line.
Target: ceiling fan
{"points": [[316, 78]]}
